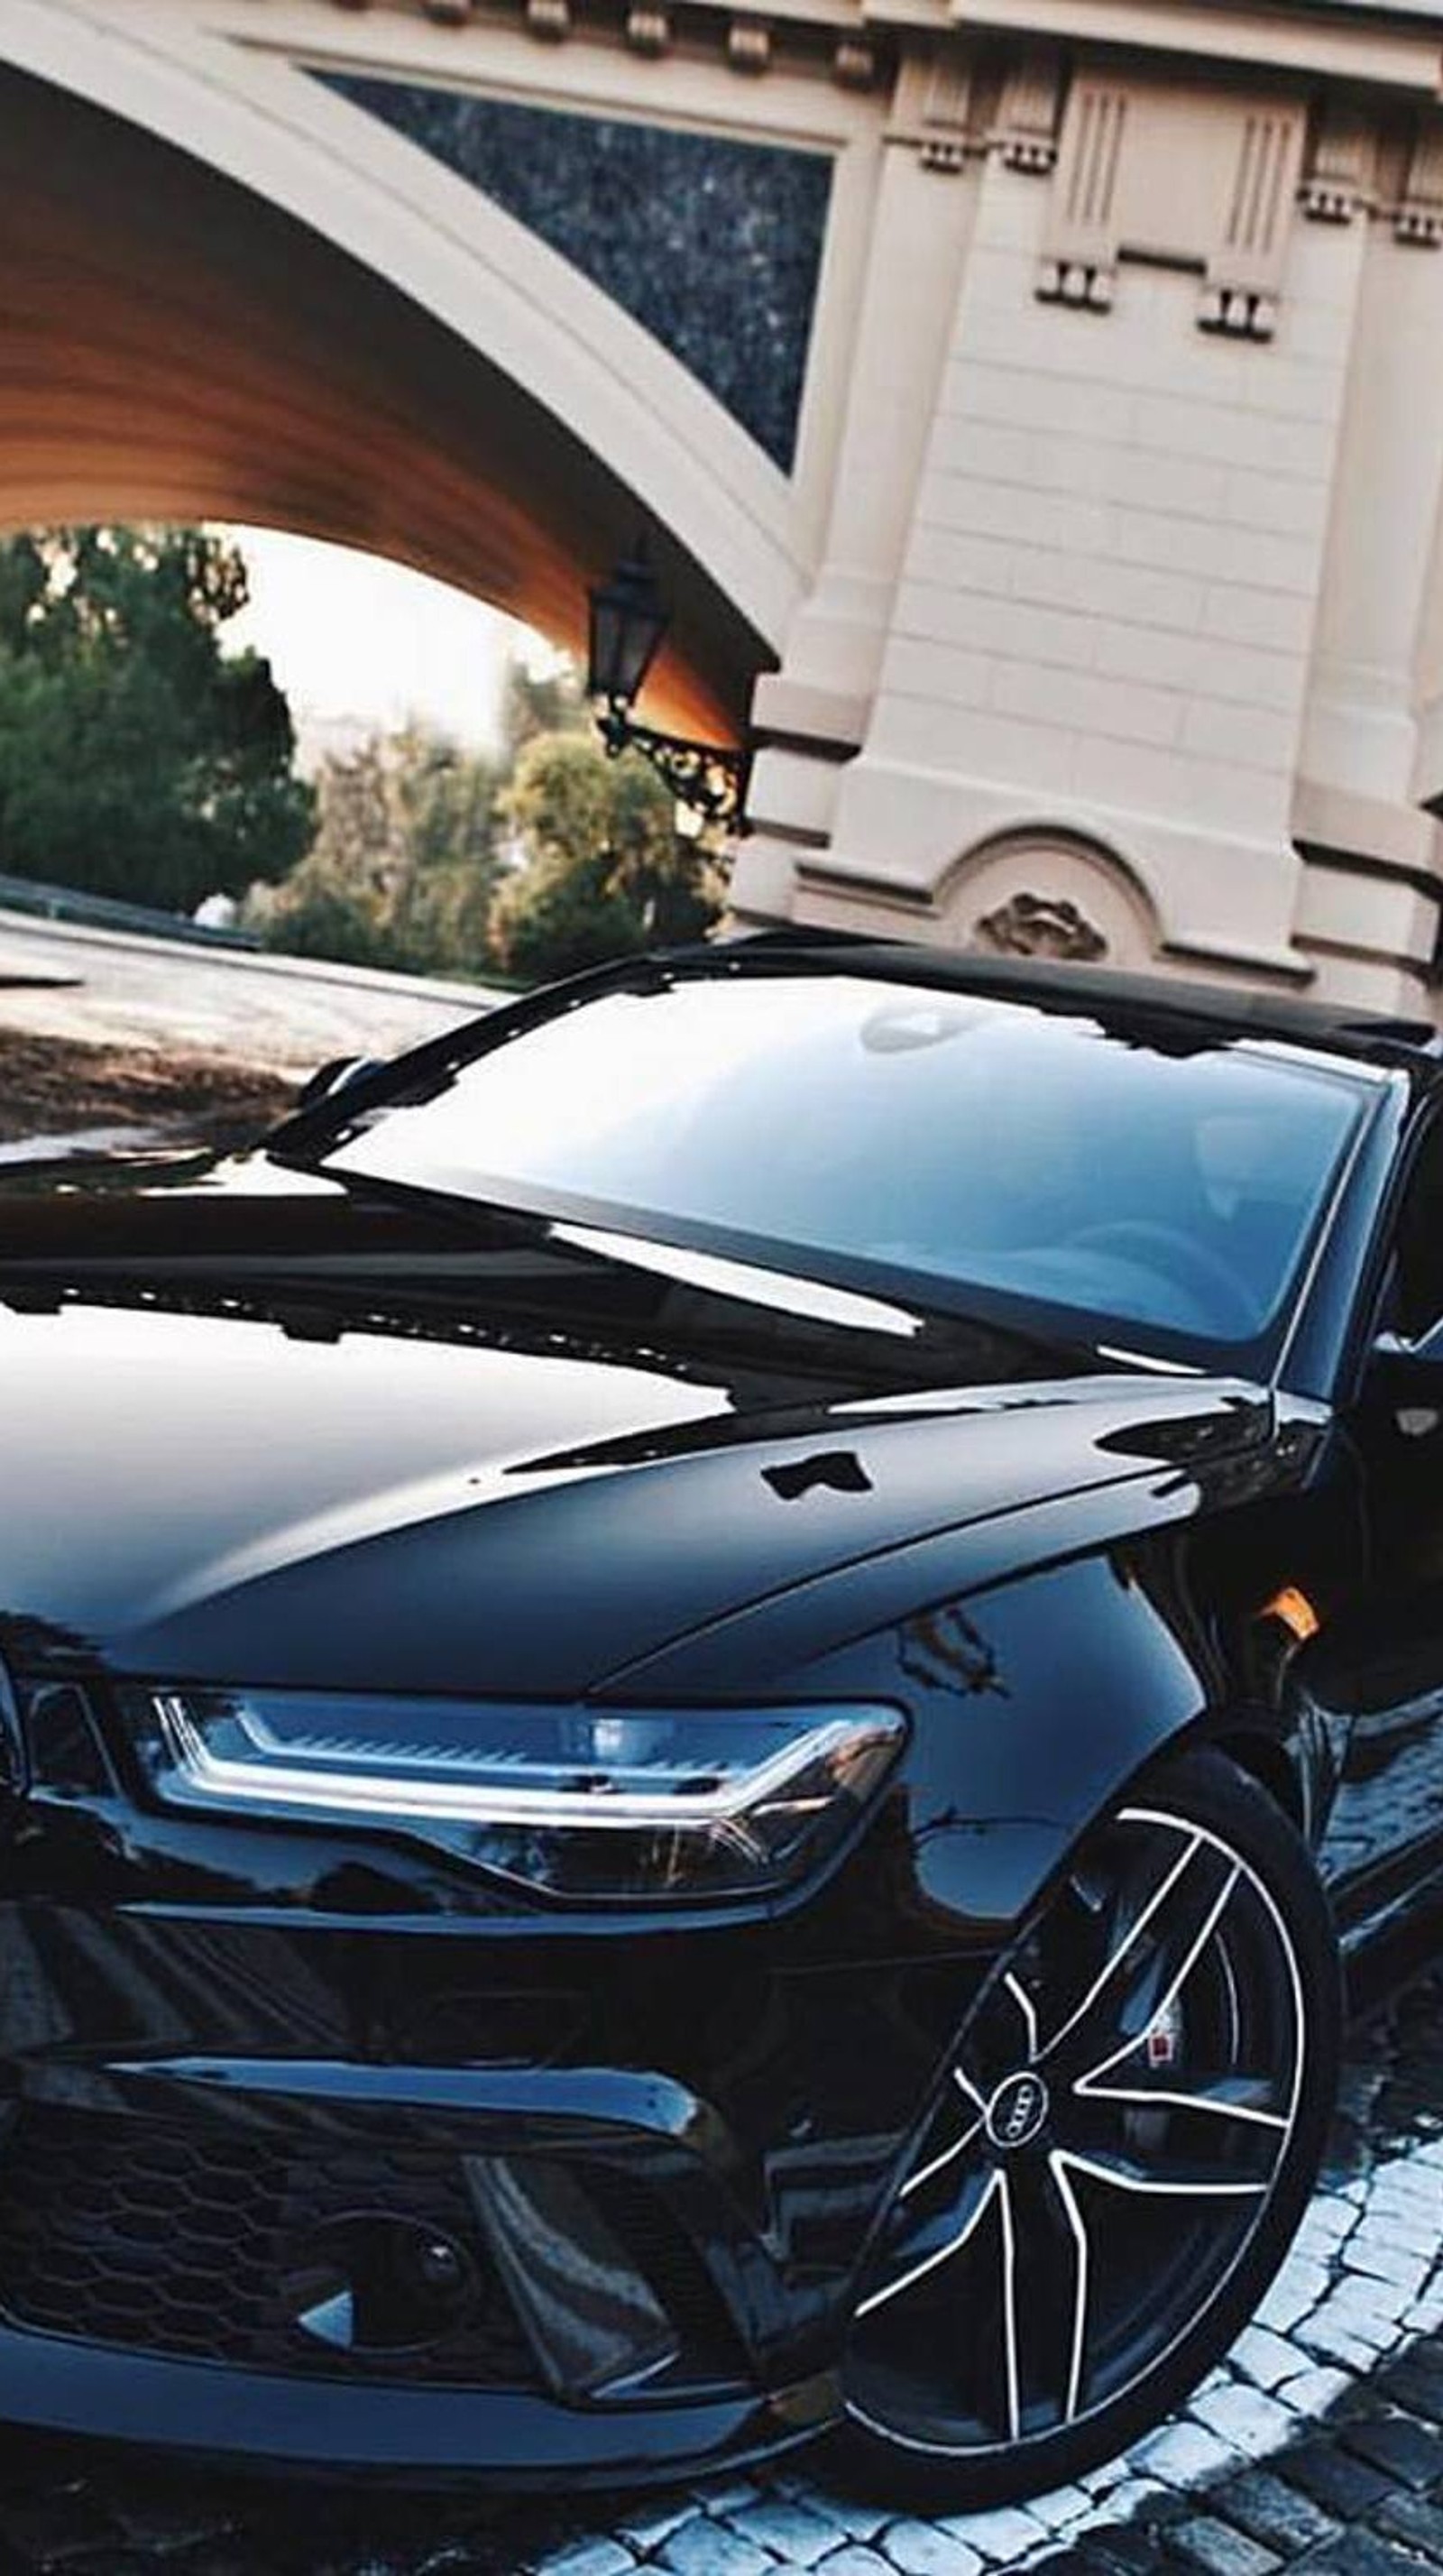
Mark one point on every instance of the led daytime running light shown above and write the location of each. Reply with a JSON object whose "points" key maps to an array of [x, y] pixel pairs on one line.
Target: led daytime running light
{"points": [[385, 1795]]}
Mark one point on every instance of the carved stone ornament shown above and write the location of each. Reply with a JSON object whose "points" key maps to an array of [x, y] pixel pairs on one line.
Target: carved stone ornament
{"points": [[1418, 218], [854, 62], [1337, 182], [1078, 282], [749, 45], [1146, 170], [1245, 268], [1236, 313], [648, 30], [946, 138], [1041, 925], [549, 19], [1025, 135]]}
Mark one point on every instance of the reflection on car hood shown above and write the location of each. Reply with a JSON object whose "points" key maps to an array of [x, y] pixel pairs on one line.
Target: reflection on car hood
{"points": [[257, 1431]]}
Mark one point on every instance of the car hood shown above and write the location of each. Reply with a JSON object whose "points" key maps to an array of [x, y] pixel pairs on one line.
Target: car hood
{"points": [[257, 1429]]}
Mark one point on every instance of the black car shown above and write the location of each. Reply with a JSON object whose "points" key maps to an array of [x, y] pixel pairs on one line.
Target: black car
{"points": [[704, 1689]]}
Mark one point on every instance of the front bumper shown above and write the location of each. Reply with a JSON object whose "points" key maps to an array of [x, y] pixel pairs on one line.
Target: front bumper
{"points": [[393, 2433], [212, 2111]]}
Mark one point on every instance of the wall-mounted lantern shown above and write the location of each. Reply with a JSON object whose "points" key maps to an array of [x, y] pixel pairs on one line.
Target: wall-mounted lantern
{"points": [[628, 621]]}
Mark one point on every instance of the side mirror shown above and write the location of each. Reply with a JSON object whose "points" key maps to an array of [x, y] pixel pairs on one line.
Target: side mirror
{"points": [[328, 1079], [1411, 1373]]}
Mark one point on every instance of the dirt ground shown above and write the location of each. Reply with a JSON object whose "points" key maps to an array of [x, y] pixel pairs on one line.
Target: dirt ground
{"points": [[55, 1086]]}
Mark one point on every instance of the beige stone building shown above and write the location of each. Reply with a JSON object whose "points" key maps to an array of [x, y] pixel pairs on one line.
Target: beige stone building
{"points": [[1037, 405]]}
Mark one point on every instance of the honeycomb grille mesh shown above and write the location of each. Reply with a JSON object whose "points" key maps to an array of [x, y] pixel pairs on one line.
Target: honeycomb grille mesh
{"points": [[178, 2241]]}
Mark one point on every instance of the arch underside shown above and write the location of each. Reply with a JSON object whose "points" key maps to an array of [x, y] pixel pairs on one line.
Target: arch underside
{"points": [[173, 346]]}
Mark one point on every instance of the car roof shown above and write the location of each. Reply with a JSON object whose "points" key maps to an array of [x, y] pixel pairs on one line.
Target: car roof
{"points": [[1185, 1007]]}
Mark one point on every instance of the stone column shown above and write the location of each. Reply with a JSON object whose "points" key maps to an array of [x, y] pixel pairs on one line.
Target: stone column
{"points": [[1099, 643], [812, 715], [1371, 896]]}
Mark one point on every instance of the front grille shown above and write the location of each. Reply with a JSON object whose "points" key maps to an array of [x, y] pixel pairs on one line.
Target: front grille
{"points": [[189, 2242]]}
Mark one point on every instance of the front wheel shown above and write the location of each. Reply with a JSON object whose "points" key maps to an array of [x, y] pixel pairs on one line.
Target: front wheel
{"points": [[1116, 2160]]}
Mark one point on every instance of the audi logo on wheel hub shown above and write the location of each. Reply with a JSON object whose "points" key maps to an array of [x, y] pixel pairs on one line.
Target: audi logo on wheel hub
{"points": [[1017, 2110]]}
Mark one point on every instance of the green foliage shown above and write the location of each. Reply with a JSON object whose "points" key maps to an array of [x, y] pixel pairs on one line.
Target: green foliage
{"points": [[136, 758], [603, 868], [402, 867], [535, 702]]}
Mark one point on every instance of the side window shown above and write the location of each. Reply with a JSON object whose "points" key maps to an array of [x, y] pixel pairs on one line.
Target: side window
{"points": [[1417, 1301]]}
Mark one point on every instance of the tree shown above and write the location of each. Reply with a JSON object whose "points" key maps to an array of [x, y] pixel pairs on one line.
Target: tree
{"points": [[535, 702], [136, 757], [403, 864], [604, 869]]}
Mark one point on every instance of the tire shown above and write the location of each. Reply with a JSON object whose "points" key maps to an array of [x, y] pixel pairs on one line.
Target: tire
{"points": [[1115, 2160]]}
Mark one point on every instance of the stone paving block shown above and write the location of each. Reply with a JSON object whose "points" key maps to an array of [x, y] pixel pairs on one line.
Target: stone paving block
{"points": [[1131, 2494], [1415, 2521], [1362, 2553], [1123, 2552], [1267, 2359], [855, 2519], [796, 2535], [854, 2558], [1300, 2287], [1003, 2536], [1097, 2481], [1248, 2418], [650, 2525], [706, 2548], [1338, 2343], [1315, 2390], [1406, 2184], [1184, 2453], [1204, 2543], [1064, 2506], [1278, 2515], [1412, 2454], [1402, 2231], [1334, 2479], [1327, 2223], [1417, 2383], [1409, 2272], [1361, 2295], [920, 2549]]}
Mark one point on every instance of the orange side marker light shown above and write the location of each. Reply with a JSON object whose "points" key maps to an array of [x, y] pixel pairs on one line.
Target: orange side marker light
{"points": [[1295, 1611]]}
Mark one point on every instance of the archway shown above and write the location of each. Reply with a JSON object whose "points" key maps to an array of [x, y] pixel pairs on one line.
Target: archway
{"points": [[176, 343]]}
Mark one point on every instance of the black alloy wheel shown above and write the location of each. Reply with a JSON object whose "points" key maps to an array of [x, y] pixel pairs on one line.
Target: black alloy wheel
{"points": [[1117, 2157]]}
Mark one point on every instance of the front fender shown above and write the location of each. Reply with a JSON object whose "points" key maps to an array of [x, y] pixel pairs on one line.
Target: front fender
{"points": [[1034, 1703]]}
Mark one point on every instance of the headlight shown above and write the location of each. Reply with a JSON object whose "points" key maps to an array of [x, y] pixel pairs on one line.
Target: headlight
{"points": [[578, 1802]]}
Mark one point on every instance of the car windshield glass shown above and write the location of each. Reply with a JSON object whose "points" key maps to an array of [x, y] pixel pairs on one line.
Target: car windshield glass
{"points": [[1040, 1160]]}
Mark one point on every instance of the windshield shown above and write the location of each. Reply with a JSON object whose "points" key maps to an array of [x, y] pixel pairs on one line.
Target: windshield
{"points": [[1028, 1160]]}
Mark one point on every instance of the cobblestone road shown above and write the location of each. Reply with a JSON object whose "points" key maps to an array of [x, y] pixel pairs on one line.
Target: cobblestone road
{"points": [[1319, 2444]]}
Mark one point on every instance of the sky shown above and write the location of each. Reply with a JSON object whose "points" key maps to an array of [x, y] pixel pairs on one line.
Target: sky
{"points": [[358, 643]]}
